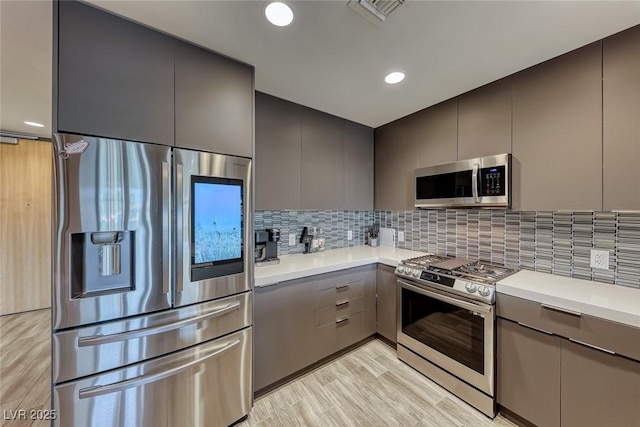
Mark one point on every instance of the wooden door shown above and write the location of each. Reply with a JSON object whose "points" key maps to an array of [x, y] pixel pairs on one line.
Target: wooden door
{"points": [[25, 226]]}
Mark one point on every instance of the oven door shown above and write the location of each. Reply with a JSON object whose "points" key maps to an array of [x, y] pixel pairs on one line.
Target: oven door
{"points": [[456, 335]]}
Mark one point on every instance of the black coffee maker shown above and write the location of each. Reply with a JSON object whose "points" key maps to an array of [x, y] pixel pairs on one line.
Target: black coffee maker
{"points": [[266, 252]]}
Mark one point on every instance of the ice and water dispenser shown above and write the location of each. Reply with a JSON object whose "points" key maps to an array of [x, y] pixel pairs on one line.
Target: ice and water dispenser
{"points": [[102, 262]]}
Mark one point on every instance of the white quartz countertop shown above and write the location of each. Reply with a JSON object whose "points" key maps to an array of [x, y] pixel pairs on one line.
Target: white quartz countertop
{"points": [[302, 265], [610, 302]]}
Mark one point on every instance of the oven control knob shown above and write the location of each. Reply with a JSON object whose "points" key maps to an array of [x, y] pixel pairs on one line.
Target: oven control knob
{"points": [[484, 291], [471, 287], [400, 269], [416, 273]]}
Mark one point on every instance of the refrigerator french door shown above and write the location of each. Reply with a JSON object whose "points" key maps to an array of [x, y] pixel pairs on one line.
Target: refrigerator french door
{"points": [[151, 268]]}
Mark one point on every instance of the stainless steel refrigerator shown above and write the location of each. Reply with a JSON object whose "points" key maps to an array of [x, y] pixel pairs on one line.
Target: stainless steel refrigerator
{"points": [[152, 285]]}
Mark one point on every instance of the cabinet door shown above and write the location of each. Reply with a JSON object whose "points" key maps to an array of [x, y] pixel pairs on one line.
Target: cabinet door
{"points": [[284, 330], [438, 134], [395, 162], [621, 127], [114, 77], [387, 302], [358, 166], [557, 133], [214, 102], [484, 121], [598, 388], [322, 161], [528, 373], [278, 153]]}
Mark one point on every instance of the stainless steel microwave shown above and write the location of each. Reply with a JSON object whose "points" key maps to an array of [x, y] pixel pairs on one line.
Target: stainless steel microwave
{"points": [[481, 182]]}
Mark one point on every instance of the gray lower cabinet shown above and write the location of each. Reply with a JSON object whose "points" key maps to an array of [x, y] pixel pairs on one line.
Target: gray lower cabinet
{"points": [[112, 78], [299, 322], [386, 303], [284, 330], [528, 373], [598, 388], [214, 102], [563, 368]]}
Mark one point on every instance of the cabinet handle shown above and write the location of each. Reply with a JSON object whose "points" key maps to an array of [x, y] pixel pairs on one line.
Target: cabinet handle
{"points": [[346, 285], [343, 302], [343, 319], [535, 329], [561, 310], [592, 346]]}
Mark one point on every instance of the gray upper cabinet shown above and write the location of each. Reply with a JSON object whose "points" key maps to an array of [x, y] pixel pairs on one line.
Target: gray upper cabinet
{"points": [[438, 134], [322, 161], [114, 78], [557, 131], [358, 166], [484, 121], [395, 162], [214, 102], [278, 153], [621, 127]]}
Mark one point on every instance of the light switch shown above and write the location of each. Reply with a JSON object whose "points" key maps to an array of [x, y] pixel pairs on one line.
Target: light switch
{"points": [[292, 239], [400, 236], [350, 235]]}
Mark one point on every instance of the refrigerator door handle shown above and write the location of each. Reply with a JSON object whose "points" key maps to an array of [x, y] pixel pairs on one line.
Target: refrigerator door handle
{"points": [[167, 228], [90, 392], [153, 330], [179, 228]]}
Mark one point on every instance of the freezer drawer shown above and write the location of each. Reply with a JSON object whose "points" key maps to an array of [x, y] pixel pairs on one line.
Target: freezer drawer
{"points": [[90, 350], [207, 385]]}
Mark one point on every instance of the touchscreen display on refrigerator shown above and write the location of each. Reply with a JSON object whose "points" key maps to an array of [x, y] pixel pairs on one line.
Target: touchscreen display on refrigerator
{"points": [[217, 225]]}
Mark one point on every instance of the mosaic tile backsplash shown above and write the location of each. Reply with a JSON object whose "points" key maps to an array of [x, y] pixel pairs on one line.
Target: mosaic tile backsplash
{"points": [[550, 242]]}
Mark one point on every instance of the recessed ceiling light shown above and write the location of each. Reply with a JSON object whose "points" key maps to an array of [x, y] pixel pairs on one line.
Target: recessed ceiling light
{"points": [[395, 77], [38, 125], [279, 14]]}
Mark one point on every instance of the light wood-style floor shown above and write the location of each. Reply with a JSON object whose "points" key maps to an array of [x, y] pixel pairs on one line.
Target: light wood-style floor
{"points": [[367, 387], [25, 365]]}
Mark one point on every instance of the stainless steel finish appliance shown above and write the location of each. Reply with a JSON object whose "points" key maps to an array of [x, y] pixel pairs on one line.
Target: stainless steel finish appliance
{"points": [[480, 182], [446, 324], [266, 247], [152, 313]]}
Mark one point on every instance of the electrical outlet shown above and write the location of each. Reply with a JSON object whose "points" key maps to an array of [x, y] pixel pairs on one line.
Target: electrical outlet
{"points": [[292, 239], [599, 259], [350, 235], [400, 236]]}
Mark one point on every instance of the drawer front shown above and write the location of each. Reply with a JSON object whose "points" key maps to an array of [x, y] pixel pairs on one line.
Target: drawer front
{"points": [[335, 312], [340, 334], [206, 385], [129, 341], [605, 334], [345, 292], [344, 277]]}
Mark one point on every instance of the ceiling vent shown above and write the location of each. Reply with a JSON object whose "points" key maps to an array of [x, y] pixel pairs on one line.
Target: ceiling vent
{"points": [[375, 11]]}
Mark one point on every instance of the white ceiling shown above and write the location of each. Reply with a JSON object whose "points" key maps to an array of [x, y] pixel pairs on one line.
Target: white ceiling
{"points": [[330, 58]]}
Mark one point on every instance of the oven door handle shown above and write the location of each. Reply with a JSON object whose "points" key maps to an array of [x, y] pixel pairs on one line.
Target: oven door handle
{"points": [[467, 305]]}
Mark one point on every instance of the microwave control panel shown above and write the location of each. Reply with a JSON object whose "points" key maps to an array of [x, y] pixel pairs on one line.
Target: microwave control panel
{"points": [[493, 181]]}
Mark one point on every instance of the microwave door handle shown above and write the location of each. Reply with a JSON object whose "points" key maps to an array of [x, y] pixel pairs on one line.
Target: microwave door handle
{"points": [[179, 228], [474, 182]]}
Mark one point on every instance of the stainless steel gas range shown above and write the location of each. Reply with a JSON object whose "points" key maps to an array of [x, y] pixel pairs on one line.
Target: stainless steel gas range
{"points": [[446, 324]]}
